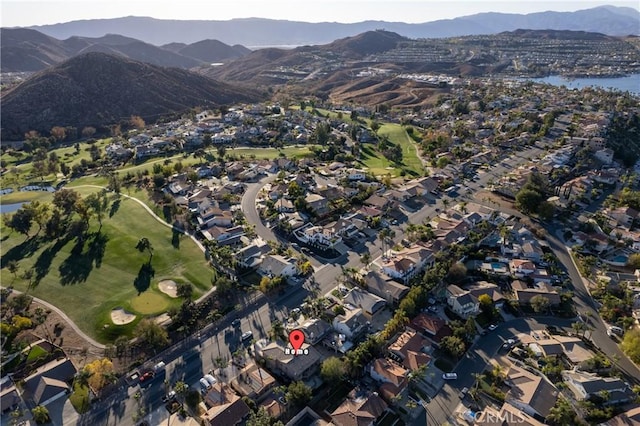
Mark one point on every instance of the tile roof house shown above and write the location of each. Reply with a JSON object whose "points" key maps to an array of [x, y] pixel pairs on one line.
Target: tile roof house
{"points": [[531, 393], [521, 267], [389, 290], [317, 203], [433, 327], [307, 417], [359, 410], [408, 262], [49, 382], [392, 377], [410, 350], [226, 407], [588, 386]]}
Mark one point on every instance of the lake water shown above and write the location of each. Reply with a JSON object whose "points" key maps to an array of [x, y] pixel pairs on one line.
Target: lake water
{"points": [[9, 208], [630, 83]]}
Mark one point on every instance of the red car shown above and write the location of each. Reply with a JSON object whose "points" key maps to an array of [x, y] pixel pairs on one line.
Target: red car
{"points": [[146, 376]]}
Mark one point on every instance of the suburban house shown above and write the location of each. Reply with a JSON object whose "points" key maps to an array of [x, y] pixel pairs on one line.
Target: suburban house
{"points": [[351, 323], [521, 267], [359, 410], [389, 290], [410, 349], [623, 216], [408, 262], [465, 302], [317, 203], [432, 327], [49, 382], [307, 417], [572, 349], [275, 265], [253, 382], [250, 256], [589, 386], [224, 236], [315, 330], [369, 303], [391, 375], [525, 292], [292, 366], [531, 393], [226, 407]]}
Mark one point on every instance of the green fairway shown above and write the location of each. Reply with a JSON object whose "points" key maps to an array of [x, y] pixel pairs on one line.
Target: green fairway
{"points": [[397, 134], [88, 280]]}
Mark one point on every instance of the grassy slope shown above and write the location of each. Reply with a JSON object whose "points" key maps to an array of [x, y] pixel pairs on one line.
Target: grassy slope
{"points": [[87, 287]]}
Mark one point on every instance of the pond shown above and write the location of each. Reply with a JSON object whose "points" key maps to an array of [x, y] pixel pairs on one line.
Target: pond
{"points": [[10, 208]]}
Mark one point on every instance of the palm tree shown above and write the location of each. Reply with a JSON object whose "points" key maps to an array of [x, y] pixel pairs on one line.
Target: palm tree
{"points": [[383, 235], [40, 414], [181, 389], [445, 203], [277, 330]]}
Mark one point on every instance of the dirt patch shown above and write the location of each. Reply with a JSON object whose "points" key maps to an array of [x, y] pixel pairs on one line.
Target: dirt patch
{"points": [[121, 317], [168, 287]]}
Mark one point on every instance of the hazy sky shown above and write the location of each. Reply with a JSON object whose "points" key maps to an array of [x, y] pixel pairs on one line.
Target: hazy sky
{"points": [[38, 12]]}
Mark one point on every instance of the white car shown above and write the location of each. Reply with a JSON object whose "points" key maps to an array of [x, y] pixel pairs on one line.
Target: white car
{"points": [[493, 327], [450, 376]]}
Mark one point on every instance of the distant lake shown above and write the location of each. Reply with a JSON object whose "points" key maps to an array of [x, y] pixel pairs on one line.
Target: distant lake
{"points": [[9, 208], [629, 83]]}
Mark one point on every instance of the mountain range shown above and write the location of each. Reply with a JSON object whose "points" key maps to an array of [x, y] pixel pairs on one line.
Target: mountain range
{"points": [[256, 32], [23, 49]]}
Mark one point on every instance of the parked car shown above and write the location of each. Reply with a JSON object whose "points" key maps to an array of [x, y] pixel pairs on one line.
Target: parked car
{"points": [[246, 335], [509, 343], [168, 397], [204, 384], [236, 323], [147, 376], [450, 376], [493, 327], [463, 392], [209, 378]]}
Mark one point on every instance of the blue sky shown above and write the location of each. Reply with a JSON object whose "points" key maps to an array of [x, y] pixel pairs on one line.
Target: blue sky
{"points": [[39, 12]]}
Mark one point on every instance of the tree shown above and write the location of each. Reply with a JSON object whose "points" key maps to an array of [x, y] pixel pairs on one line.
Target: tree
{"points": [[486, 303], [65, 201], [634, 261], [539, 303], [58, 133], [12, 267], [454, 345], [528, 200], [88, 132], [366, 259], [181, 389], [262, 418], [184, 290], [98, 203], [561, 414], [40, 414], [277, 330], [298, 394], [145, 244], [100, 372], [21, 221], [457, 272], [151, 333], [332, 370], [631, 344]]}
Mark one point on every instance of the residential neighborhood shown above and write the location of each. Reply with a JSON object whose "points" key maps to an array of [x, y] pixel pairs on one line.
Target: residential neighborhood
{"points": [[486, 274]]}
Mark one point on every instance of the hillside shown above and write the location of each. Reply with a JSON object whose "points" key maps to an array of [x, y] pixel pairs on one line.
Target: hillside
{"points": [[97, 89]]}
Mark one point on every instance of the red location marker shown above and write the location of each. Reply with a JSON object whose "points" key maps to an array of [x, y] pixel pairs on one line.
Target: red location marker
{"points": [[296, 338]]}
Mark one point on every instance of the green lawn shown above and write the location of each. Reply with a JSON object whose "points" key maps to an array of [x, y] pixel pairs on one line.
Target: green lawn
{"points": [[398, 135], [36, 353], [107, 271], [294, 151]]}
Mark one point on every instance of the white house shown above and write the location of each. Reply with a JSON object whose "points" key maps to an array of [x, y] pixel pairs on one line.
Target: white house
{"points": [[275, 265]]}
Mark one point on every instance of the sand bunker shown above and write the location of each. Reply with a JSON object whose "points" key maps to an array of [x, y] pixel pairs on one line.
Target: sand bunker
{"points": [[121, 317], [168, 287]]}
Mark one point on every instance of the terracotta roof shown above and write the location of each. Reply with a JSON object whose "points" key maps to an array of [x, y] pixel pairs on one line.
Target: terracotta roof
{"points": [[359, 411]]}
